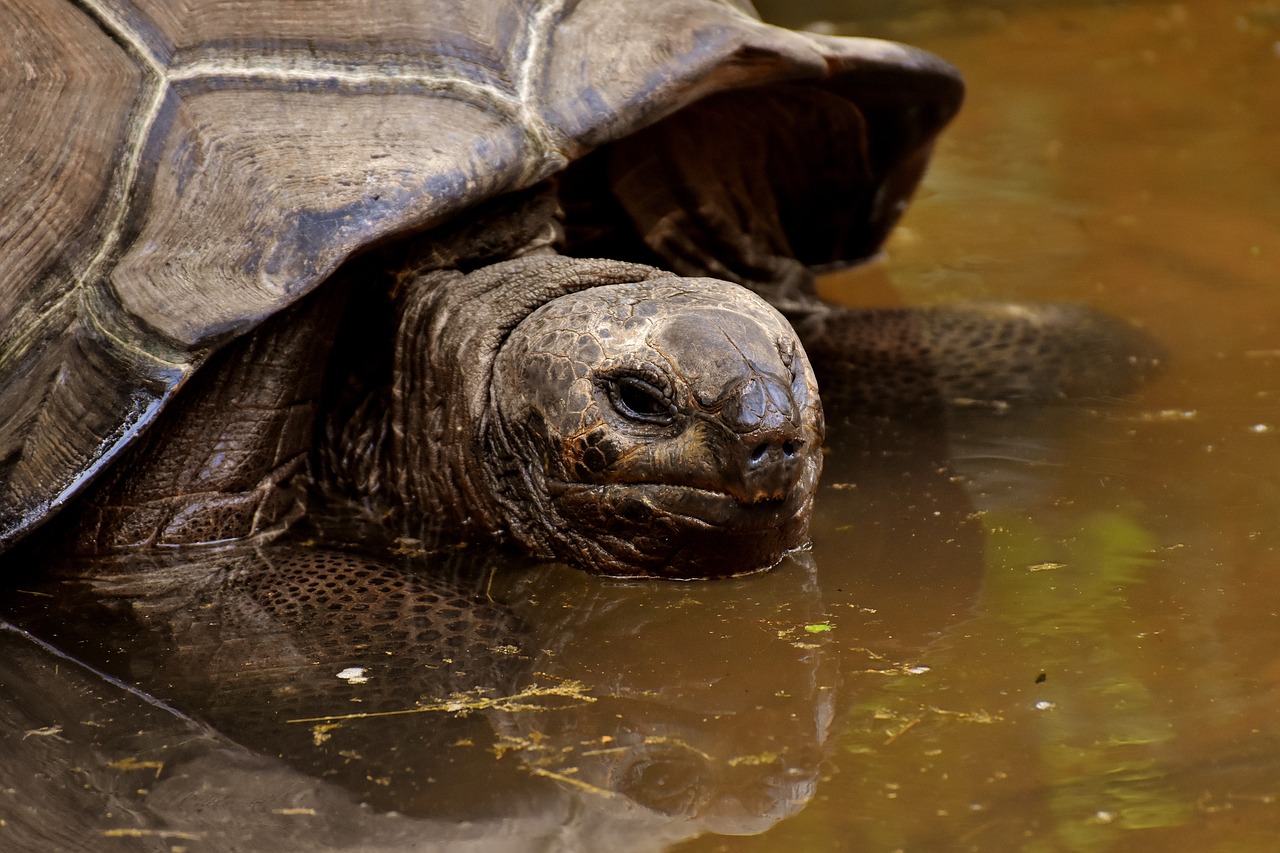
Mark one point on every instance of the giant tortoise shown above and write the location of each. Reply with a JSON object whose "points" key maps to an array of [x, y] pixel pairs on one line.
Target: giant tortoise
{"points": [[260, 256]]}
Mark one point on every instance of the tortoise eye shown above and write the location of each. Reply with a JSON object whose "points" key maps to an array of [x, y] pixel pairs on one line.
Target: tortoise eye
{"points": [[639, 400]]}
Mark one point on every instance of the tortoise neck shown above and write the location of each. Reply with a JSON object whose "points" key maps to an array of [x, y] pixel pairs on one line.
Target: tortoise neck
{"points": [[401, 425], [449, 457], [406, 406], [448, 328]]}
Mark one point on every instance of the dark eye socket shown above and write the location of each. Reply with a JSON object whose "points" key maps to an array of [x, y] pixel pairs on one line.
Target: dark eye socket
{"points": [[639, 400]]}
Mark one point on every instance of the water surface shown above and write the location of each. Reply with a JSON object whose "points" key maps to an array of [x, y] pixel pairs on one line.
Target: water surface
{"points": [[1115, 687], [1048, 628]]}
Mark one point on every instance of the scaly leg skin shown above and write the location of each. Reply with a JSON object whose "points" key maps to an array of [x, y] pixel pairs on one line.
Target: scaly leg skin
{"points": [[879, 360]]}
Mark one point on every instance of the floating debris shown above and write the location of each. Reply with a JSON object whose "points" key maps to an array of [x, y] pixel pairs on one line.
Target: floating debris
{"points": [[407, 546], [135, 764], [321, 732], [575, 692], [898, 731], [568, 779], [1167, 415], [153, 833], [47, 731], [980, 716], [762, 759], [354, 675]]}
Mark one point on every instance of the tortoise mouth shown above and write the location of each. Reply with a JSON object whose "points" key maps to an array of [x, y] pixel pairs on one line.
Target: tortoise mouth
{"points": [[692, 506], [675, 531]]}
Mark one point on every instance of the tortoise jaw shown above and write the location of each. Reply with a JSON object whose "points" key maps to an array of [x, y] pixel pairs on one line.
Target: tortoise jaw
{"points": [[710, 509], [676, 531]]}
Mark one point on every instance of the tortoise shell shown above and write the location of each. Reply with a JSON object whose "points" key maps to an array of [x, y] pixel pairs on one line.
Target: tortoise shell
{"points": [[173, 174]]}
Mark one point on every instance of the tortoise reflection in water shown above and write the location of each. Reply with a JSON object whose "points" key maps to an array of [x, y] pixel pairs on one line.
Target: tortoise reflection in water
{"points": [[178, 332]]}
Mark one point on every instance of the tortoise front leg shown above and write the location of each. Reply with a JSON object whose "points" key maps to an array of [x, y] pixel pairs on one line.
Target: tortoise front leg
{"points": [[881, 360], [227, 459]]}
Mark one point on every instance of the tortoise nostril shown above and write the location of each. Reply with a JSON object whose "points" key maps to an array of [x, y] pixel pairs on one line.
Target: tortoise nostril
{"points": [[767, 467], [774, 452]]}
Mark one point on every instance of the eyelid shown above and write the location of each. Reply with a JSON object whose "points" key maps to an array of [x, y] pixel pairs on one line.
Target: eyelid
{"points": [[644, 384], [645, 376], [614, 385]]}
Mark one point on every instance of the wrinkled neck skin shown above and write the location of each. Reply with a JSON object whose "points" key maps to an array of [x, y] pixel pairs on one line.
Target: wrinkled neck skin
{"points": [[451, 327], [603, 414], [444, 461]]}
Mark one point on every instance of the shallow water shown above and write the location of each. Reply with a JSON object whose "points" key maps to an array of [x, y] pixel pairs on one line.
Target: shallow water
{"points": [[1116, 684], [1045, 629]]}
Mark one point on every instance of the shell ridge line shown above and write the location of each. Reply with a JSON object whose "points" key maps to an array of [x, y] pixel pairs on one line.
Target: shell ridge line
{"points": [[152, 96], [139, 131], [119, 31], [548, 145], [20, 342], [317, 71], [91, 314]]}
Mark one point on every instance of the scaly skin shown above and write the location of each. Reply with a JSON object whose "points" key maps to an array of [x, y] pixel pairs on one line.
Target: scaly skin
{"points": [[512, 411]]}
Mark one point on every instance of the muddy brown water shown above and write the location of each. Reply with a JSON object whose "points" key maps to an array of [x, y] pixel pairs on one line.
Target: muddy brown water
{"points": [[1052, 628]]}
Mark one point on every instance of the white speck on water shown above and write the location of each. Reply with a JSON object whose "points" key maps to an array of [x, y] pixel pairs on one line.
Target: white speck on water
{"points": [[1168, 415], [354, 675], [1045, 705], [1261, 429], [1102, 816], [917, 670]]}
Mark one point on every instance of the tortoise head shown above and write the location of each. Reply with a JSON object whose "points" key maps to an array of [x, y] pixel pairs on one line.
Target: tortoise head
{"points": [[671, 427], [630, 423]]}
